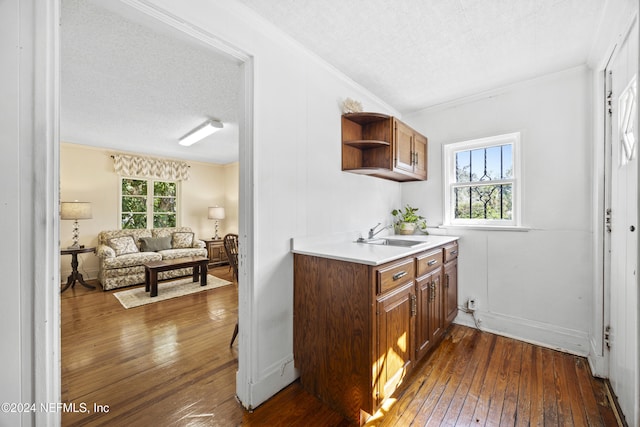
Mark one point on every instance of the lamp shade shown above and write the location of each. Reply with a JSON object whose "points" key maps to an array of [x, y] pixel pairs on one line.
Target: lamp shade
{"points": [[216, 212], [75, 210]]}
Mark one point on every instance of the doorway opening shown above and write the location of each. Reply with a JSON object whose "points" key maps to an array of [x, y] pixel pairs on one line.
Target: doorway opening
{"points": [[152, 16]]}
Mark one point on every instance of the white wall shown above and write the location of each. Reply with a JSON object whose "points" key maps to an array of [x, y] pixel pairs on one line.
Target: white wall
{"points": [[534, 285], [15, 359], [86, 174], [30, 337], [298, 186]]}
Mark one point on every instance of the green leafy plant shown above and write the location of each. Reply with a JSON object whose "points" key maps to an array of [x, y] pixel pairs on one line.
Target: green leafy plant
{"points": [[409, 215]]}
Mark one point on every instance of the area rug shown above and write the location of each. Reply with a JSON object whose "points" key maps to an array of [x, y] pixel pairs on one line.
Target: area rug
{"points": [[166, 290]]}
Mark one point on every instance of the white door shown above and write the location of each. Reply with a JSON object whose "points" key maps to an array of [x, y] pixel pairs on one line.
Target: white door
{"points": [[623, 332]]}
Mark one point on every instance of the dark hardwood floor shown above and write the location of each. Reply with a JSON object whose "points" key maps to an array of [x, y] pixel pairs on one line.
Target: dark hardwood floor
{"points": [[169, 364]]}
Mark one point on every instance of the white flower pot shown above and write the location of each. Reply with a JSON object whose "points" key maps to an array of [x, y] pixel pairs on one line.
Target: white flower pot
{"points": [[406, 228]]}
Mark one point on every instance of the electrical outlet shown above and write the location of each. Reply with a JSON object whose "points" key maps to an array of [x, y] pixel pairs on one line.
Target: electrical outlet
{"points": [[471, 304]]}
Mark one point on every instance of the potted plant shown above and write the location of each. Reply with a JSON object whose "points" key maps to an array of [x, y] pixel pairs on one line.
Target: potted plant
{"points": [[406, 221]]}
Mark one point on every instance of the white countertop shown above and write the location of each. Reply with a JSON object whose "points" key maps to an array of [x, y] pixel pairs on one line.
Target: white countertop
{"points": [[345, 248]]}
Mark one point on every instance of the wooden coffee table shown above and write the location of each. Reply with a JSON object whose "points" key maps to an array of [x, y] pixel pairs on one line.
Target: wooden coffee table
{"points": [[151, 270]]}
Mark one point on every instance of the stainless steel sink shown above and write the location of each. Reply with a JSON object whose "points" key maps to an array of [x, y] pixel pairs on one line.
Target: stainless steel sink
{"points": [[392, 242]]}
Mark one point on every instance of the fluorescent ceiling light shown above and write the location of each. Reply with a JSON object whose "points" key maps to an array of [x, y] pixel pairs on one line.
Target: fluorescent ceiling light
{"points": [[202, 131]]}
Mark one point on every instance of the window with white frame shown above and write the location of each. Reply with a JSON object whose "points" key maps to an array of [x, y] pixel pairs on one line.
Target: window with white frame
{"points": [[482, 181], [148, 201]]}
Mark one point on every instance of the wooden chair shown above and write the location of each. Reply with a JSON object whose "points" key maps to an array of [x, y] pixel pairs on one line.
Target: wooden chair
{"points": [[231, 248]]}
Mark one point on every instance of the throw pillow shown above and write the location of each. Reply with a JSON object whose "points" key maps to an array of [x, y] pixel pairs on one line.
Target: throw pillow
{"points": [[182, 239], [155, 244], [123, 245]]}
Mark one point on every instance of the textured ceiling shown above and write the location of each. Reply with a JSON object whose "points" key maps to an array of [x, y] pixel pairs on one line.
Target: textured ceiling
{"points": [[418, 53], [130, 85]]}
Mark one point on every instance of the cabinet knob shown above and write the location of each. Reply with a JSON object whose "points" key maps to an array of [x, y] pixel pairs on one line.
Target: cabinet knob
{"points": [[632, 228]]}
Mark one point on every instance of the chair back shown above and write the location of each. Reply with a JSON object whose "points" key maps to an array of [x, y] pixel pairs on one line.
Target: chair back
{"points": [[231, 248]]}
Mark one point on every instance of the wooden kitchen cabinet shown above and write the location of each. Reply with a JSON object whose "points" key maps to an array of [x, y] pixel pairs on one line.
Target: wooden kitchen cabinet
{"points": [[450, 283], [395, 342], [360, 329], [410, 151], [395, 316], [380, 145]]}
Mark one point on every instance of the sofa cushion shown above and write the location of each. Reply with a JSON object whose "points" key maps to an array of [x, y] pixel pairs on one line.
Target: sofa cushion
{"points": [[130, 260], [123, 245], [181, 240], [181, 253], [155, 244], [104, 236]]}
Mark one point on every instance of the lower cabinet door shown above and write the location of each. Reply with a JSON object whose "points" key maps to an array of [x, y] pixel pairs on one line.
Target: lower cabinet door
{"points": [[429, 320], [395, 343], [451, 291]]}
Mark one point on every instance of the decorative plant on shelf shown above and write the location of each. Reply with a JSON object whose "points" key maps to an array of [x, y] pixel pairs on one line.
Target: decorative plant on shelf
{"points": [[406, 221]]}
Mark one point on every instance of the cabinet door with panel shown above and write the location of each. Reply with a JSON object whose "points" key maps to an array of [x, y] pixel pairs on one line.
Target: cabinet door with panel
{"points": [[395, 330], [409, 151], [450, 282], [216, 253], [403, 156], [451, 291], [428, 293], [421, 155], [429, 323]]}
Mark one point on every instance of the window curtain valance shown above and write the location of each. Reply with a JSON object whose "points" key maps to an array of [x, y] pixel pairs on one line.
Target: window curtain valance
{"points": [[148, 167]]}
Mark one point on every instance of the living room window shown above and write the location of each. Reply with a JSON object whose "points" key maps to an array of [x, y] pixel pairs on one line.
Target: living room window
{"points": [[482, 181], [147, 202]]}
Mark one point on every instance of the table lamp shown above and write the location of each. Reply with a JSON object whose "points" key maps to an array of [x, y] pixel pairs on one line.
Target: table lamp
{"points": [[216, 213], [75, 211]]}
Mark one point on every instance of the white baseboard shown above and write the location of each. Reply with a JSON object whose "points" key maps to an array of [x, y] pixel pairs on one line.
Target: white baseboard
{"points": [[542, 334], [598, 363], [278, 376]]}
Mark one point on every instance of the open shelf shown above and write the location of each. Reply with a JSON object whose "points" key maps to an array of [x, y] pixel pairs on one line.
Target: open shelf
{"points": [[366, 144]]}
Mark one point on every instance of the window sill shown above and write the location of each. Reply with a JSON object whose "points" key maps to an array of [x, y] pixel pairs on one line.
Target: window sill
{"points": [[484, 227]]}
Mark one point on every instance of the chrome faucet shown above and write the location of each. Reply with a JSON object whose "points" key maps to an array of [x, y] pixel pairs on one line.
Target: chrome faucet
{"points": [[373, 232]]}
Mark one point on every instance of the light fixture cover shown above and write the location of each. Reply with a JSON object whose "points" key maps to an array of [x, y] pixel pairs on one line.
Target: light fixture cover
{"points": [[202, 131], [216, 212], [75, 210]]}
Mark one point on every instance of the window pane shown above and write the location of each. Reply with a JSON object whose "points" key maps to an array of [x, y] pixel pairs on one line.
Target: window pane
{"points": [[463, 166], [164, 220], [164, 204], [507, 161], [164, 188], [477, 164], [130, 220], [485, 164], [483, 202], [494, 163], [134, 204], [134, 187]]}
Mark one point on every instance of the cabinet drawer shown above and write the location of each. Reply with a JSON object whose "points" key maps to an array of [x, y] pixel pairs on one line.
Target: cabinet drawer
{"points": [[394, 275], [451, 252], [428, 262]]}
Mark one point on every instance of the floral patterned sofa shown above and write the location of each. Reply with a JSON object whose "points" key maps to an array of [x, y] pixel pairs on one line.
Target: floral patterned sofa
{"points": [[122, 252]]}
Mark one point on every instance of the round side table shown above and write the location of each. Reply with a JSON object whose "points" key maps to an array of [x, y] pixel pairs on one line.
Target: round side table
{"points": [[75, 274]]}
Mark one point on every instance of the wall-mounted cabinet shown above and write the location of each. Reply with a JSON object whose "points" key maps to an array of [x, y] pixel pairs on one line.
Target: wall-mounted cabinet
{"points": [[380, 145]]}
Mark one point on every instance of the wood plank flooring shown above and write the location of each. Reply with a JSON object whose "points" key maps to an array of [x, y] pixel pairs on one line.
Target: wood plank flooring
{"points": [[169, 364]]}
